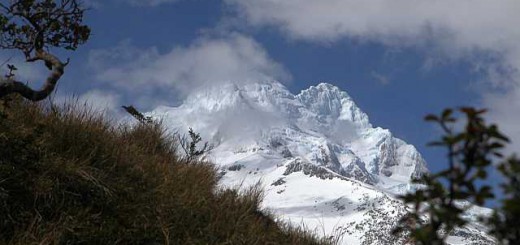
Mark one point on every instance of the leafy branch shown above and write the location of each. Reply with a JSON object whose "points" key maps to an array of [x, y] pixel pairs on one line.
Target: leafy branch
{"points": [[437, 210], [189, 145]]}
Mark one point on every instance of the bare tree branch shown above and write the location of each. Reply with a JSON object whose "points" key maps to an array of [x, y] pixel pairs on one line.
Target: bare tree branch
{"points": [[10, 85], [34, 26]]}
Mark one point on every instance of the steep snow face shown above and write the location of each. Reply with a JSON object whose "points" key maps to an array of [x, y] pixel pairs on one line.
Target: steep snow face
{"points": [[320, 161], [321, 125], [329, 104]]}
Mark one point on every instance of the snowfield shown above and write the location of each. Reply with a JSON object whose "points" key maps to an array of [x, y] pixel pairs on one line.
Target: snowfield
{"points": [[318, 158]]}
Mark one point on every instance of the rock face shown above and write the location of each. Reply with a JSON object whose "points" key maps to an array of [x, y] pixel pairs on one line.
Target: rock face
{"points": [[321, 125], [320, 160]]}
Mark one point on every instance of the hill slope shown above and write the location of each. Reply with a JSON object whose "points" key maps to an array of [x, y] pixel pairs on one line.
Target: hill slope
{"points": [[69, 177]]}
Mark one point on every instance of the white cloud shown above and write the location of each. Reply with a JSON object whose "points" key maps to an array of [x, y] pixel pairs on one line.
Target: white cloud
{"points": [[463, 23], [235, 58], [505, 111], [101, 101], [468, 29], [106, 102]]}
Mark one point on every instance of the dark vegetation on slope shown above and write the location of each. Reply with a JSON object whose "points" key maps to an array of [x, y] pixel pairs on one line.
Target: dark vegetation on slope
{"points": [[68, 176]]}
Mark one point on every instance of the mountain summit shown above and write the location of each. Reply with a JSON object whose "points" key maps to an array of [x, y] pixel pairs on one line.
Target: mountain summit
{"points": [[319, 159], [321, 126]]}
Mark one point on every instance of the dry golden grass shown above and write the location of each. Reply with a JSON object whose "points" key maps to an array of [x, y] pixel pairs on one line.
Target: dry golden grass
{"points": [[68, 177]]}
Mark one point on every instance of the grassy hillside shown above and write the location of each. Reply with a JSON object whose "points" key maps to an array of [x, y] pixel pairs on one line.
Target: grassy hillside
{"points": [[69, 177]]}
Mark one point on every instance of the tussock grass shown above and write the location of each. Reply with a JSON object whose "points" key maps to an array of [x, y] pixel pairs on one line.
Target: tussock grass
{"points": [[68, 176]]}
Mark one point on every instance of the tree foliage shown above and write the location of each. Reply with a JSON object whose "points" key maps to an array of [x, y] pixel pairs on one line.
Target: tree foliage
{"points": [[35, 26], [189, 145], [437, 208], [505, 224]]}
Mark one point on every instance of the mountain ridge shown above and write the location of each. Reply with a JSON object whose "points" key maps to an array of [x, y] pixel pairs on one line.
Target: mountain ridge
{"points": [[321, 114], [317, 156]]}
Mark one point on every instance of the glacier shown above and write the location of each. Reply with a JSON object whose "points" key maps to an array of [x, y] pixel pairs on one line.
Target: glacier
{"points": [[320, 161]]}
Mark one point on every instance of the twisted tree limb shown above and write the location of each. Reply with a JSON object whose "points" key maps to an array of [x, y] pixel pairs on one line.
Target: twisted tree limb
{"points": [[34, 26], [9, 85]]}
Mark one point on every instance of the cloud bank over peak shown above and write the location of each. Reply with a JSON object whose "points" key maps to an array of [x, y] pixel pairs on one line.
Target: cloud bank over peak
{"points": [[480, 31], [183, 69]]}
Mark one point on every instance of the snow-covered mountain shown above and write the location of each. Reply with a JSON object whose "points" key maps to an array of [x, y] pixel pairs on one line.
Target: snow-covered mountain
{"points": [[321, 163]]}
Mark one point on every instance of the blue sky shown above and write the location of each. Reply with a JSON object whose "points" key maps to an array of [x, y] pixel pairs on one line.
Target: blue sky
{"points": [[399, 59]]}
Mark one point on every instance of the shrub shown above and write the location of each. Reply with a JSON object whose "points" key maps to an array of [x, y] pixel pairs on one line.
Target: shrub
{"points": [[472, 151]]}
